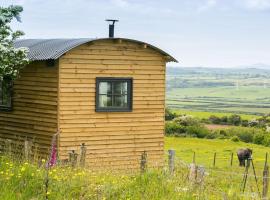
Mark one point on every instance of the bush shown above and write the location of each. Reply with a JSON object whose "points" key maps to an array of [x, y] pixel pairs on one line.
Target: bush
{"points": [[172, 128], [266, 141], [224, 120], [212, 135], [245, 123], [169, 115], [234, 120], [235, 139], [258, 138], [245, 136], [186, 120], [214, 119], [197, 131]]}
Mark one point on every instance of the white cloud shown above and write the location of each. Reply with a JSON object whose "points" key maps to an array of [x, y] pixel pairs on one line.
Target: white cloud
{"points": [[256, 4], [207, 5], [120, 3]]}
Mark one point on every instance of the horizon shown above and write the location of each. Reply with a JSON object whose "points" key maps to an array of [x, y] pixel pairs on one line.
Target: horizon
{"points": [[207, 33]]}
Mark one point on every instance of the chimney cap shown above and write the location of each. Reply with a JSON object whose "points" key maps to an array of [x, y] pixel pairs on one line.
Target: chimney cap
{"points": [[112, 20]]}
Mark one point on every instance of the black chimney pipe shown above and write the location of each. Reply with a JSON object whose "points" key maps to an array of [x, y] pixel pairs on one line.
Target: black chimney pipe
{"points": [[111, 27]]}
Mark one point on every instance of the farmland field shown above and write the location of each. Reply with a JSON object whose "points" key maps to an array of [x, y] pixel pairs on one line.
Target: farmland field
{"points": [[205, 149], [219, 90]]}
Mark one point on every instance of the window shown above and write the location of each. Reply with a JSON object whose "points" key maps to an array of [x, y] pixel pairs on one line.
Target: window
{"points": [[113, 94], [6, 94]]}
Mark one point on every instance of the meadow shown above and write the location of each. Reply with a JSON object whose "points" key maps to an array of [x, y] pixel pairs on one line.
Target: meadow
{"points": [[242, 91], [26, 180], [206, 115]]}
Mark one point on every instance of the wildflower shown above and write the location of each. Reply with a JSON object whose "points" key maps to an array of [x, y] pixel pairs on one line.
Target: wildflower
{"points": [[22, 169], [43, 160], [48, 193]]}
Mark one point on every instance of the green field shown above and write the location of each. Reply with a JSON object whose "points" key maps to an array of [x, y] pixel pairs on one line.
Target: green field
{"points": [[205, 114], [242, 91], [205, 150]]}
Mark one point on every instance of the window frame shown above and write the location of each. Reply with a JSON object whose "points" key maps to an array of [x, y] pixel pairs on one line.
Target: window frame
{"points": [[10, 91], [129, 81]]}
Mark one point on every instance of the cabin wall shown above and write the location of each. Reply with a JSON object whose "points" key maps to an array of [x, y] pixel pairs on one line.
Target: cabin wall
{"points": [[34, 114], [113, 139]]}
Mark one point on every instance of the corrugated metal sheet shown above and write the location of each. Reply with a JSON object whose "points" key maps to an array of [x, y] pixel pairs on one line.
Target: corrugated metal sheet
{"points": [[45, 49]]}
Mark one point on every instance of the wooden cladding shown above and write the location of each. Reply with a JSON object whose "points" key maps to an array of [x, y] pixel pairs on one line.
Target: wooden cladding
{"points": [[34, 113], [114, 139]]}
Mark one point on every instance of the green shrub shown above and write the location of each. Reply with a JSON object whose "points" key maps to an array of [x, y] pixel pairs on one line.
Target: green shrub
{"points": [[214, 119], [245, 136], [169, 115], [212, 135], [266, 141], [245, 123], [172, 128], [235, 139], [234, 120], [197, 131], [186, 120], [258, 138]]}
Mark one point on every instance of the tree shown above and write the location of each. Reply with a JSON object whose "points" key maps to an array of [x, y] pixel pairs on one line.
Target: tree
{"points": [[12, 59]]}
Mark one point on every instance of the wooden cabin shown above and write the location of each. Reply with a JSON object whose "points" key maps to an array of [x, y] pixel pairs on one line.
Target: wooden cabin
{"points": [[107, 93]]}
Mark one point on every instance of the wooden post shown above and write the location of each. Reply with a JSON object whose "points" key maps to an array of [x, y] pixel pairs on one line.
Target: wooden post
{"points": [[266, 160], [194, 156], [35, 156], [265, 182], [193, 173], [171, 160], [73, 158], [231, 159], [265, 178], [143, 161], [8, 147], [214, 161], [82, 155], [27, 149]]}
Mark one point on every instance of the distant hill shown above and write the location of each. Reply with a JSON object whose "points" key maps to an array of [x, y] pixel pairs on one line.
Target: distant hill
{"points": [[248, 70]]}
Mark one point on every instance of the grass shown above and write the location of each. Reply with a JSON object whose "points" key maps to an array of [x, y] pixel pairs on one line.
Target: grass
{"points": [[205, 115], [25, 180], [252, 100], [205, 149]]}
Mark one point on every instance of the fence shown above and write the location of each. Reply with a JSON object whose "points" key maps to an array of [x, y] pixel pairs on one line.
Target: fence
{"points": [[197, 173]]}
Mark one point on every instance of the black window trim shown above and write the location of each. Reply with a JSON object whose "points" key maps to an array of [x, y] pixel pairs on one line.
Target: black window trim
{"points": [[8, 108], [129, 94]]}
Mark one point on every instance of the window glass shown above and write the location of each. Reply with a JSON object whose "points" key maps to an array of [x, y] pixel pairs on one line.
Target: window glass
{"points": [[114, 94]]}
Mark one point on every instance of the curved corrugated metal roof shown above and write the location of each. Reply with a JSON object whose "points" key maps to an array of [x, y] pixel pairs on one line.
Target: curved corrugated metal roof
{"points": [[46, 49]]}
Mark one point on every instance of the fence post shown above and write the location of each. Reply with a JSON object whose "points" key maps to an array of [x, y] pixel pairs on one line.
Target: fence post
{"points": [[265, 182], [82, 155], [73, 158], [194, 157], [8, 147], [193, 173], [27, 149], [231, 159], [265, 178], [214, 161], [171, 160], [143, 161]]}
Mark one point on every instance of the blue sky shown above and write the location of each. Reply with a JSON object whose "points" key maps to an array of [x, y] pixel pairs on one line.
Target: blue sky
{"points": [[209, 33]]}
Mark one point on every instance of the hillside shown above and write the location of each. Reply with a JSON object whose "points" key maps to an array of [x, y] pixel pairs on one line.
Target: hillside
{"points": [[235, 90]]}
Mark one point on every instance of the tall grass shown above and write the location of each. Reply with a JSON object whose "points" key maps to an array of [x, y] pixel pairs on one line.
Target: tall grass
{"points": [[25, 180]]}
